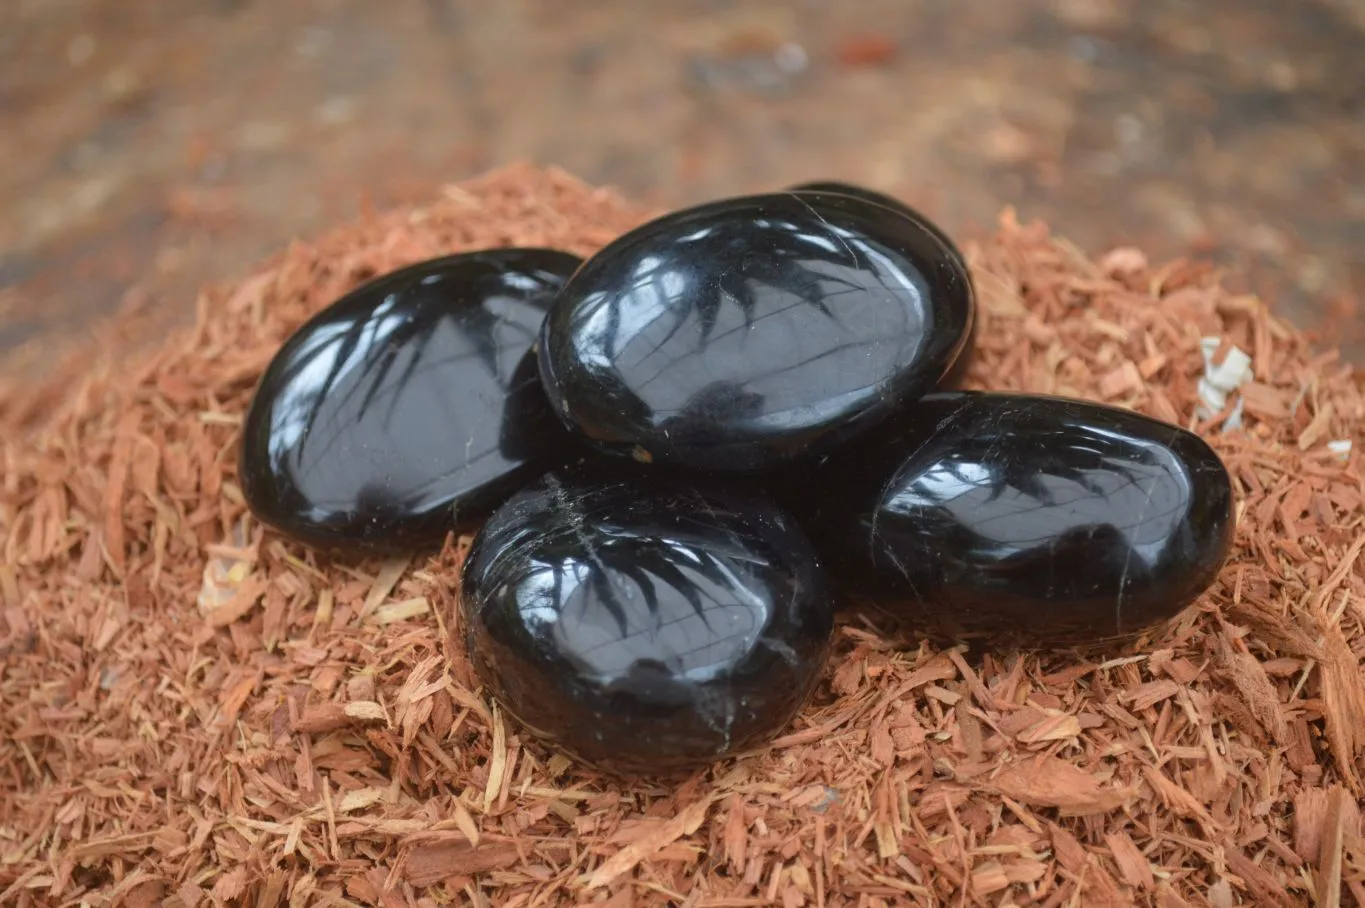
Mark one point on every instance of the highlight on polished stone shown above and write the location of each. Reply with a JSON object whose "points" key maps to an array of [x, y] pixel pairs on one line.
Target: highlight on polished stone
{"points": [[410, 407], [754, 331], [642, 623], [957, 373], [1043, 519], [836, 187]]}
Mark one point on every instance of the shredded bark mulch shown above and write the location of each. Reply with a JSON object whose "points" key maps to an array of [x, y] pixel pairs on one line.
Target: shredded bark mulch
{"points": [[194, 711]]}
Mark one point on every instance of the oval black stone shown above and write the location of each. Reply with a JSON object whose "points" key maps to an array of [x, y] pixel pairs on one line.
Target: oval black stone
{"points": [[410, 407], [754, 331], [645, 624], [1042, 519]]}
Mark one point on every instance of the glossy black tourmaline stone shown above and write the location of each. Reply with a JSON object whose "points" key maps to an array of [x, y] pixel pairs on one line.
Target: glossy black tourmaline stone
{"points": [[1043, 519], [409, 407], [753, 331], [645, 623]]}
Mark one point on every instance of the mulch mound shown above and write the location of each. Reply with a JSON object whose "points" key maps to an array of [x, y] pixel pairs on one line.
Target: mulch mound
{"points": [[195, 711]]}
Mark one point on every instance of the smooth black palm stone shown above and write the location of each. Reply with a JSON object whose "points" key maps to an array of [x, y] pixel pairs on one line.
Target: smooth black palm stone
{"points": [[644, 623], [1044, 519], [409, 407], [754, 331]]}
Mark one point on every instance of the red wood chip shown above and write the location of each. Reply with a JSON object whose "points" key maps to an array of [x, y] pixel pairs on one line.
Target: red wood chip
{"points": [[194, 711]]}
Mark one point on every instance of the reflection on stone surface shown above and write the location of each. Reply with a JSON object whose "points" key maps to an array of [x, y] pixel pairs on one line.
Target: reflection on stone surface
{"points": [[957, 373], [409, 407], [836, 187], [643, 623], [1040, 518], [752, 331]]}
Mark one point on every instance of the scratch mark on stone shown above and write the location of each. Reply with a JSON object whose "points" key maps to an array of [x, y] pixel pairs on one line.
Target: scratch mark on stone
{"points": [[1128, 558], [853, 256]]}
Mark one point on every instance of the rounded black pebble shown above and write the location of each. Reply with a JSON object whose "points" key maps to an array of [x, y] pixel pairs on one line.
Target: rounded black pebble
{"points": [[645, 624], [1012, 517], [754, 331], [409, 407]]}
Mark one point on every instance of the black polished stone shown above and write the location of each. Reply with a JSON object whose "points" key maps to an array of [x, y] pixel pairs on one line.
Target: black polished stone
{"points": [[409, 407], [1007, 516], [643, 623], [754, 331]]}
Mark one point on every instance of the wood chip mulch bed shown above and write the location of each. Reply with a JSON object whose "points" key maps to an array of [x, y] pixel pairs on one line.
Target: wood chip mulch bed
{"points": [[196, 712]]}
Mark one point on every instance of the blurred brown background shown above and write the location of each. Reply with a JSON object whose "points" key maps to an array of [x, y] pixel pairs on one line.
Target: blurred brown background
{"points": [[155, 146]]}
